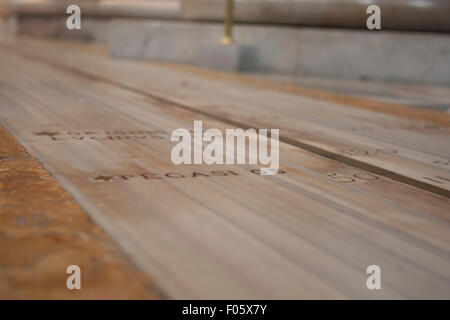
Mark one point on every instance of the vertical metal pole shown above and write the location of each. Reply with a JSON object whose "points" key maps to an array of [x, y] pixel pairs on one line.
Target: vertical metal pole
{"points": [[228, 32]]}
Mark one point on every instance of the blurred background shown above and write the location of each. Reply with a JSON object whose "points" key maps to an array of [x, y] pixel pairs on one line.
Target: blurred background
{"points": [[323, 44]]}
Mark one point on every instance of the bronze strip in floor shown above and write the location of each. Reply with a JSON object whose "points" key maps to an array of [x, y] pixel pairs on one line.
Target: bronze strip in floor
{"points": [[428, 114], [394, 109]]}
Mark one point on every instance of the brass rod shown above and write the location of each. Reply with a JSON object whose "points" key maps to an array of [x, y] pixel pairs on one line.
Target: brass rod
{"points": [[228, 31]]}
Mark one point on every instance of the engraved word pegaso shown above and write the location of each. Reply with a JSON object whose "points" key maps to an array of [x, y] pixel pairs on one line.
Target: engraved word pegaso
{"points": [[218, 152]]}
